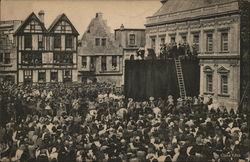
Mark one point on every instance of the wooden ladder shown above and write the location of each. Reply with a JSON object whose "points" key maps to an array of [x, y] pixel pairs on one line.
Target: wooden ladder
{"points": [[180, 78]]}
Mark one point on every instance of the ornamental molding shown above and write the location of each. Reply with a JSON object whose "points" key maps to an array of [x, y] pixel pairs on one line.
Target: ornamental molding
{"points": [[208, 69], [182, 26], [152, 30], [223, 70], [208, 23], [172, 27], [162, 28]]}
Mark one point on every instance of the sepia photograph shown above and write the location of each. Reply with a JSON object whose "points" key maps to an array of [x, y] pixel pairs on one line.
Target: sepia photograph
{"points": [[124, 80]]}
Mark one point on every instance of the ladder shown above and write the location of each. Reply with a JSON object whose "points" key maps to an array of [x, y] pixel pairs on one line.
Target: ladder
{"points": [[180, 77]]}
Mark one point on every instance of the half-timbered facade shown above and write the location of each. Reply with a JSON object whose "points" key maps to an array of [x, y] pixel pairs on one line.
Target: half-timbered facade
{"points": [[215, 28], [46, 55]]}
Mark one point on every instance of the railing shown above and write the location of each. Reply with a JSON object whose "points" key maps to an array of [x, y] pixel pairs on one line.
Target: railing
{"points": [[203, 11]]}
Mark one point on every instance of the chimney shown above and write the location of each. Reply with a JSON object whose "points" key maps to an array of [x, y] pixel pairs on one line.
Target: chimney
{"points": [[163, 1], [41, 16], [99, 15]]}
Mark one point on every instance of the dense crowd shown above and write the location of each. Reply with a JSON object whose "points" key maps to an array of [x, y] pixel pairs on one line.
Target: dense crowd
{"points": [[95, 122]]}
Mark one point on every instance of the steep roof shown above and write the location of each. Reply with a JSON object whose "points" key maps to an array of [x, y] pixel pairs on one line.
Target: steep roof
{"points": [[172, 6], [58, 19], [98, 29], [27, 20]]}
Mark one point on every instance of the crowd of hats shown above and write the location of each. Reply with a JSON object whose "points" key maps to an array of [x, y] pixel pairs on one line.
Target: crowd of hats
{"points": [[95, 122]]}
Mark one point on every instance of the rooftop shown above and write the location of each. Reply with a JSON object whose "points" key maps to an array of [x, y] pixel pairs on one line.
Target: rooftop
{"points": [[178, 10], [172, 6]]}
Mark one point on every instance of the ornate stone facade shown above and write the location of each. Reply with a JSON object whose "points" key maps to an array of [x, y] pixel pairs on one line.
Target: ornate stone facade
{"points": [[216, 29]]}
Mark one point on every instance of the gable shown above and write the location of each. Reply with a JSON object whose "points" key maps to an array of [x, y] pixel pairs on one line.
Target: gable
{"points": [[62, 25], [32, 24], [98, 30], [223, 70], [33, 27]]}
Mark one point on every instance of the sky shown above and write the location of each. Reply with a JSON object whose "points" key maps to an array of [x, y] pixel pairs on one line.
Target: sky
{"points": [[130, 13]]}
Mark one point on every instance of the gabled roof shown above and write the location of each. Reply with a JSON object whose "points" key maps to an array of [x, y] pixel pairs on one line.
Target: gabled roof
{"points": [[172, 6], [27, 20], [98, 28], [60, 18]]}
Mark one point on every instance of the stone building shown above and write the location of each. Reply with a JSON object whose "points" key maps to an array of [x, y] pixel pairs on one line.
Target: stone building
{"points": [[8, 66], [216, 28], [46, 55], [131, 40], [99, 56]]}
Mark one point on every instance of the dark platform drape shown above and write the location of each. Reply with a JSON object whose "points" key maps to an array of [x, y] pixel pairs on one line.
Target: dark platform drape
{"points": [[145, 78]]}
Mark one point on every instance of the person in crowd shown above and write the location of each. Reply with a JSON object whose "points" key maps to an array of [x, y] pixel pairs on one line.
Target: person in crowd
{"points": [[95, 122]]}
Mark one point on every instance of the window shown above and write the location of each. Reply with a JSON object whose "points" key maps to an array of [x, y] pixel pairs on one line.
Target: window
{"points": [[172, 39], [162, 41], [40, 41], [224, 42], [132, 39], [97, 42], [27, 76], [196, 41], [92, 63], [209, 42], [7, 58], [28, 41], [1, 57], [224, 84], [54, 76], [57, 41], [209, 82], [84, 61], [153, 43], [104, 63], [103, 41], [67, 76], [68, 41], [114, 62], [41, 76]]}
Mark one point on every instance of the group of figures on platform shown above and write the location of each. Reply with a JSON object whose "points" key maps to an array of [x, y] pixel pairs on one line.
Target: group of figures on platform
{"points": [[169, 51], [95, 122]]}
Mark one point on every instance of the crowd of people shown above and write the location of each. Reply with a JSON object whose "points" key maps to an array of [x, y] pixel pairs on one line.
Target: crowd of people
{"points": [[95, 122]]}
